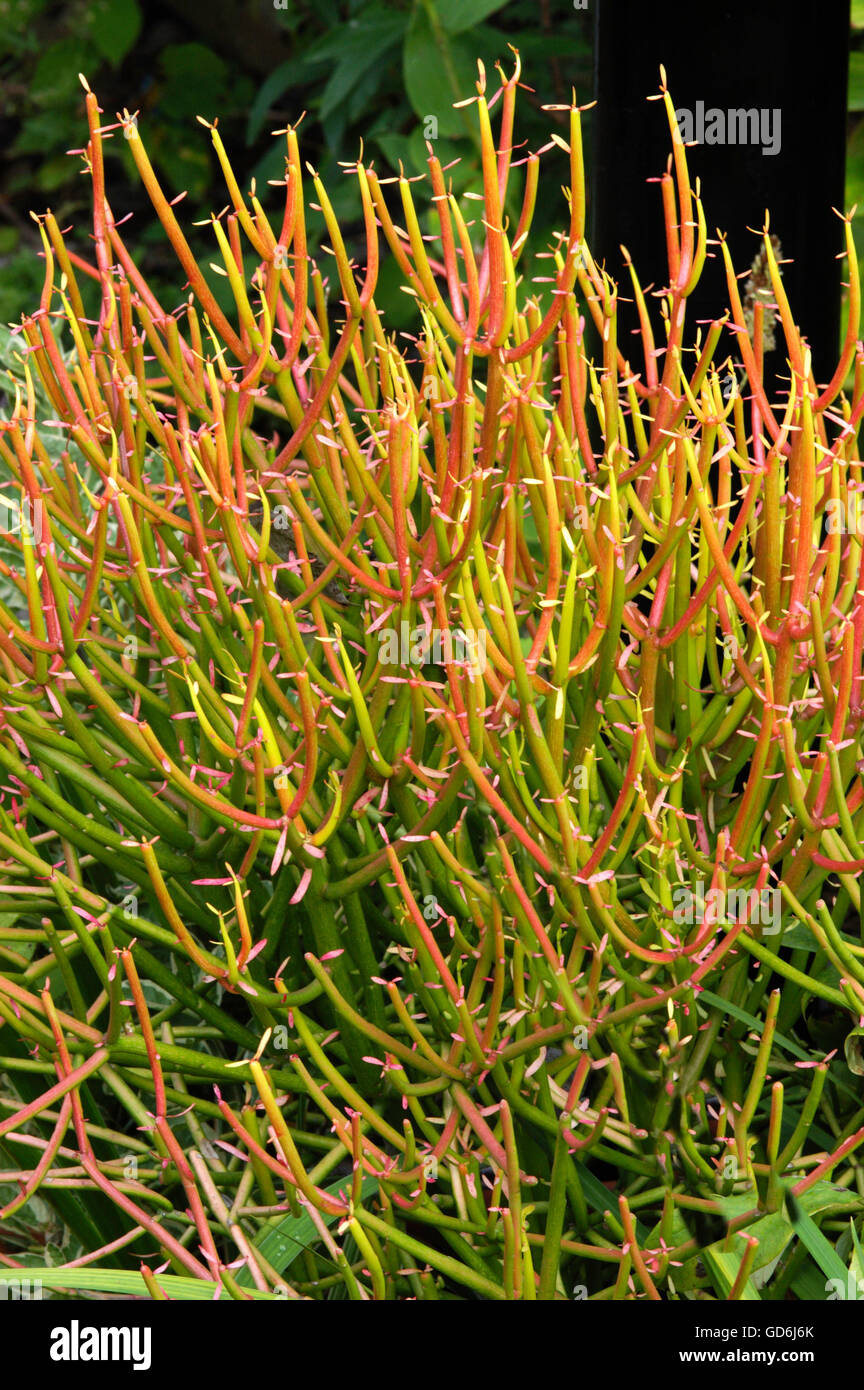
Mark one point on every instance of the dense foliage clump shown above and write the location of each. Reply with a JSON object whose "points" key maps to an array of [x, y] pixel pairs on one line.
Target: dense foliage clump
{"points": [[431, 803]]}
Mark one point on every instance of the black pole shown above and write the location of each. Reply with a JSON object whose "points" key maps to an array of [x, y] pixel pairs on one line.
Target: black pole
{"points": [[773, 78]]}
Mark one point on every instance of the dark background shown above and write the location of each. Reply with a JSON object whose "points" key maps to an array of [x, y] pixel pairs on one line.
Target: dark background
{"points": [[724, 63]]}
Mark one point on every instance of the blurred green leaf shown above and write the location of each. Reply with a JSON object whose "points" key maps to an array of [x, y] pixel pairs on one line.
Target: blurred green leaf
{"points": [[53, 173], [291, 1235], [458, 15], [271, 165], [361, 102], [855, 101], [114, 27], [290, 74], [20, 284], [446, 150], [20, 27], [858, 14], [396, 147], [38, 134], [399, 307], [438, 75], [56, 74], [358, 54], [538, 46], [376, 27], [855, 169], [184, 165], [197, 82]]}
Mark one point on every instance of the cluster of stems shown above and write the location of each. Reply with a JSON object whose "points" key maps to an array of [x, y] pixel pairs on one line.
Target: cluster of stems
{"points": [[327, 968]]}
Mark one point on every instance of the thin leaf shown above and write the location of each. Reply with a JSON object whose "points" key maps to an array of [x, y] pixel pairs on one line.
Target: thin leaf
{"points": [[822, 1251], [120, 1281]]}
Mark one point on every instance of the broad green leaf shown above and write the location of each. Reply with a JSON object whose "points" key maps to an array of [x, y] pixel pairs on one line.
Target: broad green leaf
{"points": [[773, 1233], [198, 82], [826, 1195], [457, 15], [723, 1266], [854, 1049], [446, 150], [799, 938], [776, 1230], [858, 14], [822, 1196], [283, 1243], [538, 47]]}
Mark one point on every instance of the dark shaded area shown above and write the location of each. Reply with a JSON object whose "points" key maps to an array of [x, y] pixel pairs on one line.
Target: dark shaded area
{"points": [[728, 56]]}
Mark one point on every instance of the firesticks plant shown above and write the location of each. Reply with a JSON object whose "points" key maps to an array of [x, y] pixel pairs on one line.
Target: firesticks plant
{"points": [[326, 976]]}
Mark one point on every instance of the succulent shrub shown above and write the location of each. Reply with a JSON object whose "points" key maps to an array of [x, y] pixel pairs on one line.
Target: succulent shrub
{"points": [[431, 804]]}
